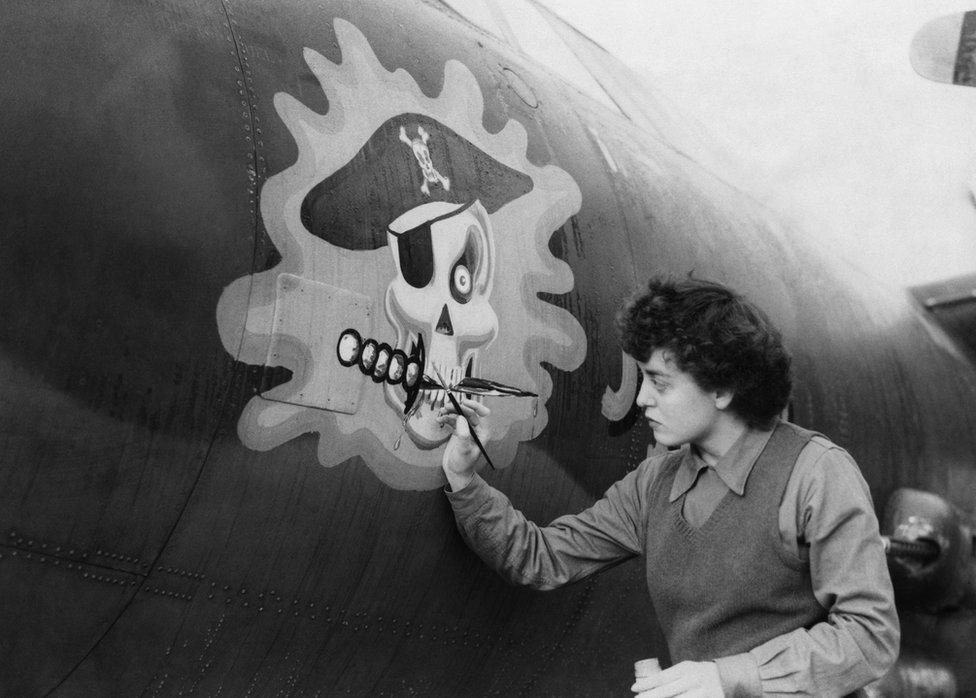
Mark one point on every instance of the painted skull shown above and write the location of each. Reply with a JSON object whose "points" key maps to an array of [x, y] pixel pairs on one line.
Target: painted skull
{"points": [[443, 255]]}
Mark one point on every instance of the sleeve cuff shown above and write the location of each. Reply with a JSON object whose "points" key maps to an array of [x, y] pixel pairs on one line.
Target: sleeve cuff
{"points": [[470, 498], [739, 675]]}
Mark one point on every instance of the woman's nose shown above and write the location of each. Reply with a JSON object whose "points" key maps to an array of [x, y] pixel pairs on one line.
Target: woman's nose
{"points": [[645, 398]]}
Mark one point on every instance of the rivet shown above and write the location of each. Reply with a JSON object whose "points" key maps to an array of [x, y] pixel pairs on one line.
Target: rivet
{"points": [[260, 609], [29, 556], [226, 600], [71, 552], [30, 544], [227, 587], [57, 549], [210, 596], [243, 591], [246, 604], [98, 552], [13, 534], [43, 546]]}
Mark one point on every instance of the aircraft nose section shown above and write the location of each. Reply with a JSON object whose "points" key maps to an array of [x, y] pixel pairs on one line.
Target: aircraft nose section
{"points": [[444, 324]]}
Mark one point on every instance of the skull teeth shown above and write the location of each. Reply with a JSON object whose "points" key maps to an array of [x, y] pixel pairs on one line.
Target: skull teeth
{"points": [[451, 374]]}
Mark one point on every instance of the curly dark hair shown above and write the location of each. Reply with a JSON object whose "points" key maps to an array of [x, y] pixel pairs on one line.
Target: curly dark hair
{"points": [[718, 337]]}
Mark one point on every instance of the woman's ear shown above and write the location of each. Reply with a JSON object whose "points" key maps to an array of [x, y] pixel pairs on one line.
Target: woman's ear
{"points": [[723, 398]]}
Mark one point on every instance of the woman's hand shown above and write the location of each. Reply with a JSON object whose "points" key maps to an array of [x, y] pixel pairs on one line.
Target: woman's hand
{"points": [[687, 679], [462, 452]]}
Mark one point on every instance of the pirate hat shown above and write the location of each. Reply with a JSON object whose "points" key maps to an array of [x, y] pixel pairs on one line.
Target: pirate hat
{"points": [[409, 161]]}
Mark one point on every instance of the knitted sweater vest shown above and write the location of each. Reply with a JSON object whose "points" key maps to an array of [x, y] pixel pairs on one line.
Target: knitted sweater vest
{"points": [[730, 585]]}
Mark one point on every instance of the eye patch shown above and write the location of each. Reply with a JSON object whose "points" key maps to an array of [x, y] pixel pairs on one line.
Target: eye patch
{"points": [[415, 250]]}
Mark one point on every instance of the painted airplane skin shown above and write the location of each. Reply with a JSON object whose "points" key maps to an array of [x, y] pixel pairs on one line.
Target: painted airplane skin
{"points": [[231, 228]]}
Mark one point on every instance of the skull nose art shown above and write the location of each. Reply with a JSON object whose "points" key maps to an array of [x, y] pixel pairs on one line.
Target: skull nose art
{"points": [[444, 325]]}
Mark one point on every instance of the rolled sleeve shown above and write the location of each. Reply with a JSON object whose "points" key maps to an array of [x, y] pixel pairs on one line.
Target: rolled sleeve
{"points": [[739, 674], [546, 557], [466, 502]]}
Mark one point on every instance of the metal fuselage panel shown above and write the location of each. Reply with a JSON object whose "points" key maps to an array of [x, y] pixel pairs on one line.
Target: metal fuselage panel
{"points": [[174, 518]]}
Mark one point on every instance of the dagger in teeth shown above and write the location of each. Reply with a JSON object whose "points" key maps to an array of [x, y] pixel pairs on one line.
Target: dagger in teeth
{"points": [[383, 363]]}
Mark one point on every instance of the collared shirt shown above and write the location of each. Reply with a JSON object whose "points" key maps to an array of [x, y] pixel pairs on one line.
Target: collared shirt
{"points": [[825, 517]]}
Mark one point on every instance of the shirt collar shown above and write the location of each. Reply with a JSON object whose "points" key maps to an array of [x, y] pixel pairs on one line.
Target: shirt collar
{"points": [[733, 468]]}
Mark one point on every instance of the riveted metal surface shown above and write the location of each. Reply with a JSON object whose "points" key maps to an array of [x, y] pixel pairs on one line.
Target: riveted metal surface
{"points": [[154, 546]]}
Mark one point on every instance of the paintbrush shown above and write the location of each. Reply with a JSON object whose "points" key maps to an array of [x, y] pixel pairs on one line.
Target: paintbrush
{"points": [[457, 406]]}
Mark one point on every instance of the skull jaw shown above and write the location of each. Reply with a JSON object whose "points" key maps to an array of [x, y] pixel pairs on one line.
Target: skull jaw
{"points": [[423, 427]]}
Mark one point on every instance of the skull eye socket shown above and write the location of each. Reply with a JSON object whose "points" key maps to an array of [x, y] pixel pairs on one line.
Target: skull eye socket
{"points": [[461, 283], [467, 268]]}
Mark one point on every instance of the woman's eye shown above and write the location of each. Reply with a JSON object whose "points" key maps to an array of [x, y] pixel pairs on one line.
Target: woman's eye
{"points": [[461, 283]]}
